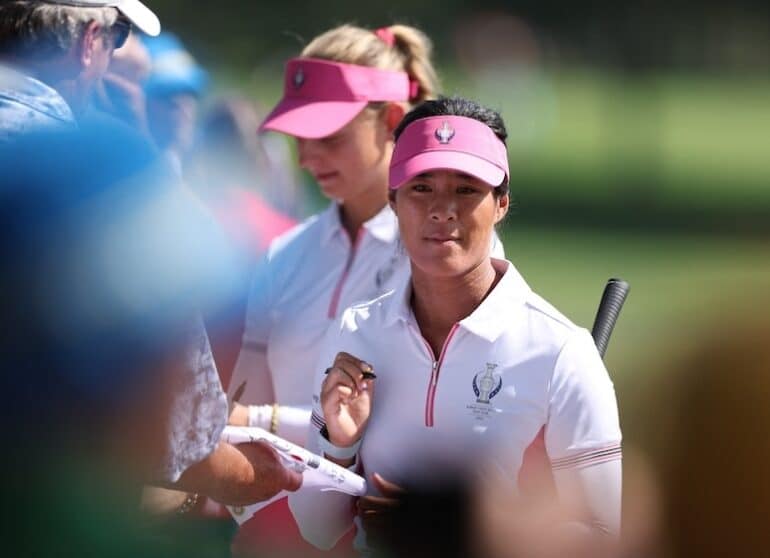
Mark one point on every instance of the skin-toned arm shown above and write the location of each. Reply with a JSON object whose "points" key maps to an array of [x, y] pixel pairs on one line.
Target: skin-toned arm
{"points": [[239, 475], [583, 521], [252, 370], [253, 378], [239, 416], [597, 491]]}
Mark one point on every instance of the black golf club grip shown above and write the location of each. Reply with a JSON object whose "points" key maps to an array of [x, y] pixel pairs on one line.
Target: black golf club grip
{"points": [[609, 308]]}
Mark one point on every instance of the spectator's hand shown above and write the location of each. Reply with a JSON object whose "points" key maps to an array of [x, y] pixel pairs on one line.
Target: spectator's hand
{"points": [[240, 475], [346, 399], [270, 476]]}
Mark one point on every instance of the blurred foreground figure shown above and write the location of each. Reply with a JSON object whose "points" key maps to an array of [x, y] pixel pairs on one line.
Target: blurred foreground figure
{"points": [[53, 55], [716, 491], [230, 171], [107, 375]]}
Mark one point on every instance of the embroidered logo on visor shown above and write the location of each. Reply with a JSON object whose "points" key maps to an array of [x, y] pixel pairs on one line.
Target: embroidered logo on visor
{"points": [[445, 134], [299, 78]]}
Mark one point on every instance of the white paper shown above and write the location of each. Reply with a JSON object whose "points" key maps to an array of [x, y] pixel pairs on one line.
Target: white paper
{"points": [[317, 473]]}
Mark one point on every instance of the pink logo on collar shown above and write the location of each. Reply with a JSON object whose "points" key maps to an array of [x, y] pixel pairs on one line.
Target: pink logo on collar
{"points": [[445, 134]]}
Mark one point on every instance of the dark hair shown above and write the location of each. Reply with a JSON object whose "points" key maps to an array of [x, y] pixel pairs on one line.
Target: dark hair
{"points": [[458, 106]]}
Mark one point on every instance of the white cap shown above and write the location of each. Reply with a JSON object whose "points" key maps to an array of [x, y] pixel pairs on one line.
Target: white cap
{"points": [[139, 14]]}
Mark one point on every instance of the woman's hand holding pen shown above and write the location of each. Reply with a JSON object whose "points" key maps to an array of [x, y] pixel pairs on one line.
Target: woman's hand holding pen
{"points": [[346, 399]]}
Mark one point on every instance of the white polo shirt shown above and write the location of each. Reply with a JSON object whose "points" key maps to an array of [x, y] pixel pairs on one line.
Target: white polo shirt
{"points": [[513, 371], [308, 277]]}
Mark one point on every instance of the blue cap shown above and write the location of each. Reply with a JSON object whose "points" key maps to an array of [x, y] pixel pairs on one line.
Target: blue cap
{"points": [[174, 70]]}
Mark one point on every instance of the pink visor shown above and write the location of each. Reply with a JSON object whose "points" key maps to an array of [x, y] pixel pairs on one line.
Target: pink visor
{"points": [[321, 96], [453, 143]]}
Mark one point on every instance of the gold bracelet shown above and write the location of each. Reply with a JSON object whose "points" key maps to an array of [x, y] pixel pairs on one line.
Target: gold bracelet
{"points": [[189, 503], [274, 420]]}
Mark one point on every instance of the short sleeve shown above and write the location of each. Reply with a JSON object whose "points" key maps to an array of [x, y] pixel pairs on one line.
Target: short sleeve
{"points": [[257, 326], [583, 427]]}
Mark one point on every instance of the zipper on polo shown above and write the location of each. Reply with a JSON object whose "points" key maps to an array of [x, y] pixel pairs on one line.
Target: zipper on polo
{"points": [[431, 392], [434, 374], [337, 294]]}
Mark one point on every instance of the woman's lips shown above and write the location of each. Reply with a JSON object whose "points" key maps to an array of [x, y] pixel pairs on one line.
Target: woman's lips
{"points": [[440, 238], [326, 176]]}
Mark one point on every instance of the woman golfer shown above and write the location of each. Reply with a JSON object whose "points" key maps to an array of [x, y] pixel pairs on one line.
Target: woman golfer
{"points": [[462, 366]]}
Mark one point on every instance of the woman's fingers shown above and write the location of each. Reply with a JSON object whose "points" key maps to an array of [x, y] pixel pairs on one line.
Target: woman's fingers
{"points": [[387, 488], [346, 395], [337, 377], [373, 504], [361, 364], [349, 371], [360, 370]]}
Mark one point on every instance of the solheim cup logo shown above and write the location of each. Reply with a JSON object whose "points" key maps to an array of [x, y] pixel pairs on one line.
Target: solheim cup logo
{"points": [[487, 384], [299, 78], [445, 134]]}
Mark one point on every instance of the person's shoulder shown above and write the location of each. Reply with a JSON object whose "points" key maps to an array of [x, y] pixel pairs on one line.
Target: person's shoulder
{"points": [[536, 316], [368, 314], [566, 341], [542, 310], [296, 238]]}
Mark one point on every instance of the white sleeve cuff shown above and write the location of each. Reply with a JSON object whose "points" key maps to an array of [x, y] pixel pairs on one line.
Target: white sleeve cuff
{"points": [[293, 422], [337, 452]]}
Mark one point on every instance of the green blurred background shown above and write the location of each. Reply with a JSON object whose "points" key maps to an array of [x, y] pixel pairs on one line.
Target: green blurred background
{"points": [[639, 148]]}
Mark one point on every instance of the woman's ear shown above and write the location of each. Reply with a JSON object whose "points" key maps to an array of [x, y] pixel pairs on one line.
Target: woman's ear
{"points": [[503, 203], [393, 114]]}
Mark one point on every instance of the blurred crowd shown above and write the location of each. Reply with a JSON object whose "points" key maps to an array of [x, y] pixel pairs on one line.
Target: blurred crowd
{"points": [[135, 209]]}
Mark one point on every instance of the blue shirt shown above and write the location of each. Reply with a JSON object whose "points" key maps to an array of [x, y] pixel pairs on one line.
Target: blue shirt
{"points": [[28, 104], [198, 406]]}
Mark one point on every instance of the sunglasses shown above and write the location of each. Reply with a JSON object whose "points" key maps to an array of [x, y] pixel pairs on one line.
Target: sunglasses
{"points": [[120, 31]]}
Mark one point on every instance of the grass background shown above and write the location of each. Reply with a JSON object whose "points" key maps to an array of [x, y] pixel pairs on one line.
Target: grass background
{"points": [[660, 178]]}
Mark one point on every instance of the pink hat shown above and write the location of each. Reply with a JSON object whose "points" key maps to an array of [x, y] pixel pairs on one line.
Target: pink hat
{"points": [[449, 142], [321, 96]]}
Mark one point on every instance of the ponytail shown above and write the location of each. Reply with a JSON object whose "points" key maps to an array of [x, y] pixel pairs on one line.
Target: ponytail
{"points": [[416, 50], [397, 47]]}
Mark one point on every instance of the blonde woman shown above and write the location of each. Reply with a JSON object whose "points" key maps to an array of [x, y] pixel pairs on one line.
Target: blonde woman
{"points": [[343, 98]]}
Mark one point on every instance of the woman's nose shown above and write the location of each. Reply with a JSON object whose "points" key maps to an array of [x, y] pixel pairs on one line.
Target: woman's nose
{"points": [[443, 208], [306, 151]]}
